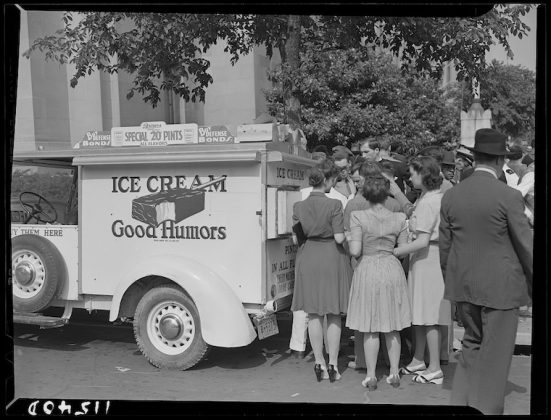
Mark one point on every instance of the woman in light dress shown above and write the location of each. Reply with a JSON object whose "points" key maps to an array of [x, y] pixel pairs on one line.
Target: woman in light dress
{"points": [[378, 301], [425, 280]]}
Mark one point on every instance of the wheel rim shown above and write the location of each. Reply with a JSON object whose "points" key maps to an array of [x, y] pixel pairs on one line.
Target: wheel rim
{"points": [[171, 327], [29, 274]]}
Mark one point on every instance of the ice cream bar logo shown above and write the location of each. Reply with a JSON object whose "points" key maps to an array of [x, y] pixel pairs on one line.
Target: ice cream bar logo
{"points": [[175, 204], [165, 208]]}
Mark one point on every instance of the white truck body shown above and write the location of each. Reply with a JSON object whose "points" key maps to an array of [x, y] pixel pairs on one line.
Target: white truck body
{"points": [[213, 220]]}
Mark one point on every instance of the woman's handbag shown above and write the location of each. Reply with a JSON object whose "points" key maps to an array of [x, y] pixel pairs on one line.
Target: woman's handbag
{"points": [[301, 236]]}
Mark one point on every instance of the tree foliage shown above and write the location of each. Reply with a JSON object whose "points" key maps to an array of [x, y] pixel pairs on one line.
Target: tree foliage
{"points": [[510, 92], [163, 51], [351, 94], [54, 187]]}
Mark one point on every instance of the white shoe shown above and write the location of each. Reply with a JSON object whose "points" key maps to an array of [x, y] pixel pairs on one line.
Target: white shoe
{"points": [[430, 378], [411, 370]]}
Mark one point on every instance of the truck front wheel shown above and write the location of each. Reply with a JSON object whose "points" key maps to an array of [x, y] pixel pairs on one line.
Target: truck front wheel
{"points": [[38, 272], [167, 329]]}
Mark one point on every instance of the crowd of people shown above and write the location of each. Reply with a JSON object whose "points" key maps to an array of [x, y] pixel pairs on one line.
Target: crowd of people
{"points": [[390, 242]]}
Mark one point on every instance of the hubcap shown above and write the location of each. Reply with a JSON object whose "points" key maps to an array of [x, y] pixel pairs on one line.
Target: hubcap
{"points": [[171, 327], [29, 274], [24, 273]]}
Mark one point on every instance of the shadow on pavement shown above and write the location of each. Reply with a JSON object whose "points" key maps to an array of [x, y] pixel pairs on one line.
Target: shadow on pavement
{"points": [[73, 337]]}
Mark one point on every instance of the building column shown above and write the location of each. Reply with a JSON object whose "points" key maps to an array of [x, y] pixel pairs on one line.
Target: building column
{"points": [[85, 102], [115, 99], [25, 135]]}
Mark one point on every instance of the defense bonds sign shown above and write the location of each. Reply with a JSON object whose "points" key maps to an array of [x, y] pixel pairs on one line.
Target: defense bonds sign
{"points": [[215, 134]]}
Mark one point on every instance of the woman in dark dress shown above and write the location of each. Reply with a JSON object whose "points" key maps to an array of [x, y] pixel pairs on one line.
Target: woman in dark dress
{"points": [[323, 271]]}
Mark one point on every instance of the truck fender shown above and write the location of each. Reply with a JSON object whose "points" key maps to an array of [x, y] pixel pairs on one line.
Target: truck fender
{"points": [[224, 321]]}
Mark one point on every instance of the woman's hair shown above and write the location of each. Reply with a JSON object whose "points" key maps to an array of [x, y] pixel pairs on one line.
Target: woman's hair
{"points": [[322, 171], [376, 189], [370, 168], [429, 170]]}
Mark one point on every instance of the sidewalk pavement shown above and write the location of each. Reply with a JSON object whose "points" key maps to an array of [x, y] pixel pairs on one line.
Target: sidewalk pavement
{"points": [[518, 392], [517, 396]]}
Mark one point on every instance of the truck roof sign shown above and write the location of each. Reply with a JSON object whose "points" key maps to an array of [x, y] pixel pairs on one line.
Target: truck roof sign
{"points": [[156, 133]]}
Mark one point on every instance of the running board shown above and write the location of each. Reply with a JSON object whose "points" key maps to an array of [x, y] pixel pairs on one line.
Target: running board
{"points": [[39, 319]]}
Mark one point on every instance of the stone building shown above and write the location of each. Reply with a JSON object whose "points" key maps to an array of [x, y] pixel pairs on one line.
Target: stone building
{"points": [[50, 114]]}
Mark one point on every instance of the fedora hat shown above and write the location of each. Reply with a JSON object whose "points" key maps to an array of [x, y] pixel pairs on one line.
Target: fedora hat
{"points": [[448, 157], [490, 142], [465, 154]]}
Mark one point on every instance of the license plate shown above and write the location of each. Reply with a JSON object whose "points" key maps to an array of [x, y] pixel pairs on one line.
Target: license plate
{"points": [[266, 326]]}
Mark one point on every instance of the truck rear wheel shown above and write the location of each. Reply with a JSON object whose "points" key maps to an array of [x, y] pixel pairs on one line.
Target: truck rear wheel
{"points": [[38, 272], [167, 329]]}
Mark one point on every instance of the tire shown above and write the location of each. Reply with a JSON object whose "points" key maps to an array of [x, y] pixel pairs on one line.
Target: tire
{"points": [[38, 273], [173, 347]]}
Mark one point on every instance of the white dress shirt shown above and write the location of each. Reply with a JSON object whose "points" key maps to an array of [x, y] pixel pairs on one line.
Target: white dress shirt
{"points": [[526, 186], [526, 183], [510, 175]]}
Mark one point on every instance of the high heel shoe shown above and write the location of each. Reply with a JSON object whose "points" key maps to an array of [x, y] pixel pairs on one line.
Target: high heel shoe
{"points": [[321, 372], [370, 382], [334, 374], [393, 380]]}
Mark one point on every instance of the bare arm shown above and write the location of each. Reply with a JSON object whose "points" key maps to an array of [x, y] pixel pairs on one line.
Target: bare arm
{"points": [[403, 236], [337, 223], [355, 241], [355, 248], [339, 237], [407, 207], [421, 242]]}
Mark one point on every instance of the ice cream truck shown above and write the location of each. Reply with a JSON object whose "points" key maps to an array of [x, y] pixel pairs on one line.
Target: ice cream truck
{"points": [[184, 231]]}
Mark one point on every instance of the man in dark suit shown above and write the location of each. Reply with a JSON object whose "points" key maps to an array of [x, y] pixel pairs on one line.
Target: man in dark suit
{"points": [[486, 259], [379, 151]]}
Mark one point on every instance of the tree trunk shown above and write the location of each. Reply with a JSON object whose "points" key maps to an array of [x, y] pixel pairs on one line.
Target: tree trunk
{"points": [[292, 48]]}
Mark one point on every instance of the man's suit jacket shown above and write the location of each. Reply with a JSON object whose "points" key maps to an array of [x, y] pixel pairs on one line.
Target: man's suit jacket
{"points": [[467, 172], [401, 171], [485, 244]]}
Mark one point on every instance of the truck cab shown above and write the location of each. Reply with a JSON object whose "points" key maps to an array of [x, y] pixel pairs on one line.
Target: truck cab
{"points": [[190, 242]]}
